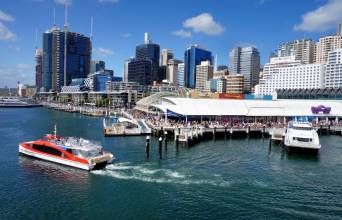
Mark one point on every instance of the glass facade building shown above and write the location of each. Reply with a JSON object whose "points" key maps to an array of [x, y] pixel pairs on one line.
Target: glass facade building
{"points": [[150, 52], [97, 65], [78, 58], [193, 56], [140, 71]]}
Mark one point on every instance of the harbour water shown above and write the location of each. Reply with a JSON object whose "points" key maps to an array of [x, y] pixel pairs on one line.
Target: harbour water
{"points": [[221, 179]]}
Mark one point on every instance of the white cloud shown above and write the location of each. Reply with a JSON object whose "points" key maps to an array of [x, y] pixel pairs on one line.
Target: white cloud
{"points": [[20, 72], [5, 33], [126, 35], [5, 17], [63, 2], [103, 52], [204, 23], [182, 33], [321, 19], [108, 1]]}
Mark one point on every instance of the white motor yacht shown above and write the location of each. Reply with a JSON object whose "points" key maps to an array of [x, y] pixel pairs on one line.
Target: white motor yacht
{"points": [[301, 135]]}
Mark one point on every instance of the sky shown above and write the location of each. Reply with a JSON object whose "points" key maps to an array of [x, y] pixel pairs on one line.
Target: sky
{"points": [[119, 26]]}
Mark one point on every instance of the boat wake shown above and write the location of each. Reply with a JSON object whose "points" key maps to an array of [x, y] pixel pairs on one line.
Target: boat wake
{"points": [[125, 171]]}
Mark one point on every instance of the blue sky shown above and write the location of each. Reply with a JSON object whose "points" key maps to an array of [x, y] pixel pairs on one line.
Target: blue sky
{"points": [[119, 26]]}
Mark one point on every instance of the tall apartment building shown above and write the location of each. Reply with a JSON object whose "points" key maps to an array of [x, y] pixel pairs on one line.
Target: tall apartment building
{"points": [[204, 72], [166, 55], [193, 56], [333, 72], [39, 67], [326, 45], [234, 84], [171, 71], [303, 50], [180, 75], [246, 61], [289, 73], [78, 56]]}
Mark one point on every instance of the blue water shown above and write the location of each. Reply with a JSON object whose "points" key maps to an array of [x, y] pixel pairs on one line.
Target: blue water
{"points": [[222, 179]]}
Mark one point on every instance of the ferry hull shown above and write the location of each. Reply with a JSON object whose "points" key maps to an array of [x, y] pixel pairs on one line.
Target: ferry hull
{"points": [[27, 152]]}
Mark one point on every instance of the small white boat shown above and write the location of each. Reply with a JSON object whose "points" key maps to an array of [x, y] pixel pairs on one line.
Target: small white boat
{"points": [[120, 126], [301, 135]]}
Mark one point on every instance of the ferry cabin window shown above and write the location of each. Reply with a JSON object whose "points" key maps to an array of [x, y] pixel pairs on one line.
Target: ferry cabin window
{"points": [[46, 149]]}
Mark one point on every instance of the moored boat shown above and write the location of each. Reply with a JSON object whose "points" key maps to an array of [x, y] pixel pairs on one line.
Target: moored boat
{"points": [[301, 135], [70, 151]]}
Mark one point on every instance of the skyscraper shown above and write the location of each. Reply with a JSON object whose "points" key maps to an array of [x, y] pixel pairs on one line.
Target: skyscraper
{"points": [[166, 55], [193, 56], [303, 50], [39, 67], [171, 71], [139, 71], [246, 61], [180, 75], [339, 28], [78, 55], [126, 68], [150, 52], [97, 65], [204, 72]]}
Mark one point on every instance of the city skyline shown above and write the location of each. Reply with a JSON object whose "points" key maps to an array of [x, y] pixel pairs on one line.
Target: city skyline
{"points": [[114, 42]]}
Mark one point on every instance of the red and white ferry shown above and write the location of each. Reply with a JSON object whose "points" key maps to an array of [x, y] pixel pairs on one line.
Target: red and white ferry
{"points": [[70, 151]]}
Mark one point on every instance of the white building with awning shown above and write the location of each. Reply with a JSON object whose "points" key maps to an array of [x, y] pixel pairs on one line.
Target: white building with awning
{"points": [[248, 108]]}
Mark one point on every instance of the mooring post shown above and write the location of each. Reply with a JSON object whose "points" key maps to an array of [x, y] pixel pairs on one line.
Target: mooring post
{"points": [[160, 146], [225, 132], [165, 138], [177, 141], [147, 147], [214, 132]]}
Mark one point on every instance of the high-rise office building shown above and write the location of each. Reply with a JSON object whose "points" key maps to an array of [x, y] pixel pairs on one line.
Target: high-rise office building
{"points": [[78, 57], [204, 72], [139, 71], [126, 68], [222, 67], [166, 55], [97, 65], [171, 71], [180, 75], [39, 67], [326, 45], [303, 50], [194, 55], [234, 84], [150, 52], [246, 61]]}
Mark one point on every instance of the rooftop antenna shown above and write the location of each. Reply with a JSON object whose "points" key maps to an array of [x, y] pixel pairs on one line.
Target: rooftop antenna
{"points": [[91, 28], [65, 40], [36, 41], [54, 17]]}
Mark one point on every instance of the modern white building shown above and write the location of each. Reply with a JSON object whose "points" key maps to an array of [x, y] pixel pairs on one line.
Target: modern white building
{"points": [[204, 72], [289, 73], [333, 72]]}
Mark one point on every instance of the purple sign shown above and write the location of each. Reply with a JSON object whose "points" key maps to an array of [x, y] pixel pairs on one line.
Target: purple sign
{"points": [[320, 109]]}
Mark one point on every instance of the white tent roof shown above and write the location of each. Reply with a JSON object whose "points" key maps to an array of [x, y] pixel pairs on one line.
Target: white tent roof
{"points": [[233, 107]]}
